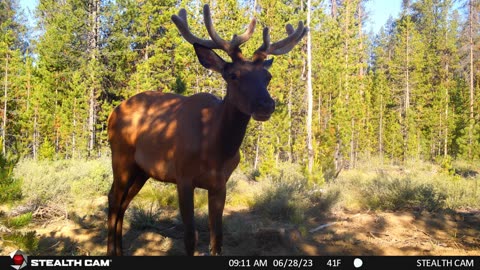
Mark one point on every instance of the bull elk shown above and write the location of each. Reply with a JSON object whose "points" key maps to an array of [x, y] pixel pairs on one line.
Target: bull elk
{"points": [[192, 141]]}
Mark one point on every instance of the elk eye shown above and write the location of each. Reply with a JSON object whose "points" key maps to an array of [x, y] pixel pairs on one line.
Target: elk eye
{"points": [[232, 76]]}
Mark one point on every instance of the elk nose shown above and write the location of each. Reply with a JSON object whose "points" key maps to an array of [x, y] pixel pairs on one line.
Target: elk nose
{"points": [[266, 105]]}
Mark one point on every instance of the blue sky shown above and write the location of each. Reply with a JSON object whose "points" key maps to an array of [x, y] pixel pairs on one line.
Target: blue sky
{"points": [[28, 6], [379, 11]]}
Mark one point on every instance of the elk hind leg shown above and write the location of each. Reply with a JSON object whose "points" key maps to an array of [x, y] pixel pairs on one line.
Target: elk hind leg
{"points": [[127, 183]]}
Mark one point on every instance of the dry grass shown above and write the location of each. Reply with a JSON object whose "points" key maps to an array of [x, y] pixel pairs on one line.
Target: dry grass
{"points": [[284, 197]]}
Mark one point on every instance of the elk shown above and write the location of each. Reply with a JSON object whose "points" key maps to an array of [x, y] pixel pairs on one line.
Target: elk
{"points": [[192, 141]]}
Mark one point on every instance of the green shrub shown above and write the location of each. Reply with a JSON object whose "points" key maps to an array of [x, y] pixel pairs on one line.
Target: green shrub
{"points": [[446, 164], [241, 190], [19, 221], [287, 172], [283, 200], [47, 150], [460, 192], [10, 187], [141, 219], [417, 184], [396, 194], [47, 182], [96, 182], [163, 194], [26, 241], [285, 194]]}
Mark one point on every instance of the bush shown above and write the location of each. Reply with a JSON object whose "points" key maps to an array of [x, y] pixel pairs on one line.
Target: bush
{"points": [[285, 194], [10, 188], [46, 182], [26, 241], [288, 172], [47, 150], [163, 194], [282, 201], [445, 163], [397, 194], [19, 221], [241, 190], [141, 219], [416, 184], [95, 182]]}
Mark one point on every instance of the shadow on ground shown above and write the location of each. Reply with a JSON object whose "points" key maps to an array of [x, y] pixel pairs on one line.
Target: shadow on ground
{"points": [[248, 233]]}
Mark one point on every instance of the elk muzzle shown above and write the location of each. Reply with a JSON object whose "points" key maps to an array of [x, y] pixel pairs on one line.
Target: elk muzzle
{"points": [[263, 109]]}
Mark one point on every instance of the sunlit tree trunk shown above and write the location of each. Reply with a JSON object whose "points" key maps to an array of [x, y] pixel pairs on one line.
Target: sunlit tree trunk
{"points": [[471, 118], [74, 124], [407, 94], [94, 6], [380, 130], [5, 102], [309, 93], [35, 142]]}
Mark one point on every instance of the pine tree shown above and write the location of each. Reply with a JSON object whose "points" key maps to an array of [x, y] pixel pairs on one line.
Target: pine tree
{"points": [[11, 67]]}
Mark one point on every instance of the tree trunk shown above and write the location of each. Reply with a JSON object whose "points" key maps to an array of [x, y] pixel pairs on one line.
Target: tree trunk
{"points": [[28, 83], [380, 130], [35, 134], [290, 130], [5, 102], [352, 145], [471, 118], [91, 121], [361, 71], [309, 93], [333, 11], [56, 118], [94, 14], [257, 149], [447, 98], [74, 116], [346, 45], [407, 95]]}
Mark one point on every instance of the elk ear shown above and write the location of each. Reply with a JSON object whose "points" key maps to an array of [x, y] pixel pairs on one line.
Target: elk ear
{"points": [[268, 63], [209, 59]]}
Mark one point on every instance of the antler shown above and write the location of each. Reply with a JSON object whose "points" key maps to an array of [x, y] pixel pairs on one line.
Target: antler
{"points": [[283, 46], [232, 48]]}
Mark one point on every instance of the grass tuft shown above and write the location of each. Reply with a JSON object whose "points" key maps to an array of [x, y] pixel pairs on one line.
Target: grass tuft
{"points": [[26, 241], [19, 221]]}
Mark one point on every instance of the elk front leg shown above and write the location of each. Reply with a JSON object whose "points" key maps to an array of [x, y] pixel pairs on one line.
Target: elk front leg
{"points": [[185, 200], [216, 204]]}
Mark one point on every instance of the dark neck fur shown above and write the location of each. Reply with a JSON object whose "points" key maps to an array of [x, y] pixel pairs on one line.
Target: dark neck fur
{"points": [[233, 125]]}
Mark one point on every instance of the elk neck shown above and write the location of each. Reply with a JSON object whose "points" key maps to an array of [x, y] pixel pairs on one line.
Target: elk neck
{"points": [[232, 127]]}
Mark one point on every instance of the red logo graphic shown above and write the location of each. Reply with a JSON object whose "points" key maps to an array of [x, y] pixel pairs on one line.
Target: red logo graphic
{"points": [[19, 259]]}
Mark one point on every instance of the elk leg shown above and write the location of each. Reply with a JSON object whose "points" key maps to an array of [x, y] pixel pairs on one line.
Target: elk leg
{"points": [[117, 191], [125, 186], [216, 203], [133, 190], [185, 201]]}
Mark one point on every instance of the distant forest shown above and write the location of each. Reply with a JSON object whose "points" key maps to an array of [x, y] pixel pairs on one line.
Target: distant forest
{"points": [[408, 92]]}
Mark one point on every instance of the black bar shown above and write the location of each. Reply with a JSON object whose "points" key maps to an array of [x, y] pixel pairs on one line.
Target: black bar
{"points": [[247, 262]]}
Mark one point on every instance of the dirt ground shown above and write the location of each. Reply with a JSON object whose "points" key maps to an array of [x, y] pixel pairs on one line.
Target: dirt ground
{"points": [[336, 233]]}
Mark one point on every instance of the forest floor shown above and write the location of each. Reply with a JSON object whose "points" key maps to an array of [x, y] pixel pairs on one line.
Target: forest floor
{"points": [[337, 232]]}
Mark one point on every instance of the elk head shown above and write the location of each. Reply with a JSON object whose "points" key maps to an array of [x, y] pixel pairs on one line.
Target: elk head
{"points": [[247, 80]]}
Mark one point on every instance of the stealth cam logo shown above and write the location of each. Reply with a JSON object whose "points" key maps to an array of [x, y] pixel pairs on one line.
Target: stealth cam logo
{"points": [[19, 259]]}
